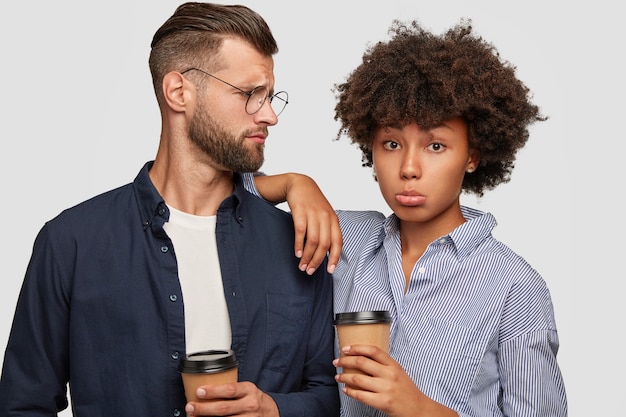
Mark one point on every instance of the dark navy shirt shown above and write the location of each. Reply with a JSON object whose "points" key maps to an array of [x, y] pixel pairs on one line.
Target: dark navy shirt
{"points": [[101, 307]]}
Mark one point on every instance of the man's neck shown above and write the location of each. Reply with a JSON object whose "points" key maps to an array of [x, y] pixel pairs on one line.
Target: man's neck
{"points": [[197, 190]]}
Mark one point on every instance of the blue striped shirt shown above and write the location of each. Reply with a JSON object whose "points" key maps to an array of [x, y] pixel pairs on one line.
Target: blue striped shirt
{"points": [[475, 329]]}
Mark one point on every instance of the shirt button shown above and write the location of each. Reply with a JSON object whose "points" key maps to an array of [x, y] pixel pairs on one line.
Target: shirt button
{"points": [[175, 355], [173, 297], [442, 241], [421, 270], [176, 412], [164, 249]]}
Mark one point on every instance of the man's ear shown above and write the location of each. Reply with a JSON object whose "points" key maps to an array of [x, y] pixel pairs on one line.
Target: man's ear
{"points": [[176, 91]]}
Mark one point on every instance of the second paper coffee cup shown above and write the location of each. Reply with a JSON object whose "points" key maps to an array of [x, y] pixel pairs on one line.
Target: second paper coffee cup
{"points": [[211, 367], [363, 328]]}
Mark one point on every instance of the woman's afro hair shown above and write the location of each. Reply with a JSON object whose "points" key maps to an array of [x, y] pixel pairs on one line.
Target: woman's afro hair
{"points": [[420, 77]]}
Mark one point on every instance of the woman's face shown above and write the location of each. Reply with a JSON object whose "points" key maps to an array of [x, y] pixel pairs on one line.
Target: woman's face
{"points": [[420, 172]]}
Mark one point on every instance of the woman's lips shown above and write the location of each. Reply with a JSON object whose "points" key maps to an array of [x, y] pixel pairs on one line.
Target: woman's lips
{"points": [[410, 199]]}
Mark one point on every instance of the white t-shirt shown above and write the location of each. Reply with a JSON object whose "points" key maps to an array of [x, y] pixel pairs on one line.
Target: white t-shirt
{"points": [[207, 324]]}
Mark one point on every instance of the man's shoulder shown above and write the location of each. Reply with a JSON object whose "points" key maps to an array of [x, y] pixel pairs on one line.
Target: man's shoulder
{"points": [[261, 208], [97, 208]]}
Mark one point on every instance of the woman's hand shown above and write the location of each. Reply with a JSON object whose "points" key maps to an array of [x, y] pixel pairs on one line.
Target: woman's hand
{"points": [[315, 221], [384, 384]]}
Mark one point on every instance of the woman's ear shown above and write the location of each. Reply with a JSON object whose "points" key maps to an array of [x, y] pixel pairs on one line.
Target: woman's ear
{"points": [[473, 161]]}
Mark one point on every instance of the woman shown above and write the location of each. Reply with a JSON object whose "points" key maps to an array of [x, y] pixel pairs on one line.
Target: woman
{"points": [[473, 331]]}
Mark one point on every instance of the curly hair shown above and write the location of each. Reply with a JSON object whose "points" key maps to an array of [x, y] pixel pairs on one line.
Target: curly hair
{"points": [[420, 77]]}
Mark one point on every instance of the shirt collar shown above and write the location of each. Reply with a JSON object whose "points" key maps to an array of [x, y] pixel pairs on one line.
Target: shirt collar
{"points": [[150, 202], [465, 238], [477, 228], [154, 211]]}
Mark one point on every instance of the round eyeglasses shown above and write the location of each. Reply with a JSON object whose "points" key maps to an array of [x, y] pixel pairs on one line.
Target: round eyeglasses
{"points": [[256, 97]]}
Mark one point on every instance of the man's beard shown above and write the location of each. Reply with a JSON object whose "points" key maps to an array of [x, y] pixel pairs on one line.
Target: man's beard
{"points": [[223, 148]]}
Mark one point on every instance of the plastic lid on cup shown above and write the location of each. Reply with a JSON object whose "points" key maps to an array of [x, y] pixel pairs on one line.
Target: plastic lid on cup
{"points": [[208, 361], [363, 317]]}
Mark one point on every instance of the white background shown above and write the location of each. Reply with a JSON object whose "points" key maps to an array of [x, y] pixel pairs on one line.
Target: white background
{"points": [[79, 117]]}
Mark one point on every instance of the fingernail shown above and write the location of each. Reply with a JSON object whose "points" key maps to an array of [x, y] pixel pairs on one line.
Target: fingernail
{"points": [[303, 267], [299, 254], [201, 392], [310, 271], [189, 408], [331, 268]]}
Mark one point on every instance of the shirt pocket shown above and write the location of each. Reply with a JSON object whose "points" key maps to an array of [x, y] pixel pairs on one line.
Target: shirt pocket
{"points": [[450, 351], [288, 323]]}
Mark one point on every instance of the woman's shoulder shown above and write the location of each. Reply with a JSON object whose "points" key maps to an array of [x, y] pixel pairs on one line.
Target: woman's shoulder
{"points": [[360, 216]]}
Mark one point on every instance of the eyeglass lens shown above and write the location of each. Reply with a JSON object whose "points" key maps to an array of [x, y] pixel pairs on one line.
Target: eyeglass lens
{"points": [[258, 96]]}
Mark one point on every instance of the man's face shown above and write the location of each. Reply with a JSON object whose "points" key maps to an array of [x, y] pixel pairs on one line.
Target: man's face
{"points": [[228, 149], [220, 126]]}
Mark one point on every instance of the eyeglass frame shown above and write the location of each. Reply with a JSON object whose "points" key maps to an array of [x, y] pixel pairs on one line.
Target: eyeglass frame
{"points": [[248, 93]]}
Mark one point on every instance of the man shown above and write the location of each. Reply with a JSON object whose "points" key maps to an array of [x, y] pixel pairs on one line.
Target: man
{"points": [[183, 259]]}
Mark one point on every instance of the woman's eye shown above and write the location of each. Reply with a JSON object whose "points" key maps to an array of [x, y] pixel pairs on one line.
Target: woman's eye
{"points": [[391, 145], [436, 147]]}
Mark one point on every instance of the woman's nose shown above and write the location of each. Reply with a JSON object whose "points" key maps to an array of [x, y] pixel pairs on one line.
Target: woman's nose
{"points": [[411, 168]]}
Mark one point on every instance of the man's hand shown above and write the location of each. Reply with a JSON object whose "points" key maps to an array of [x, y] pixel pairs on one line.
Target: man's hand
{"points": [[234, 399]]}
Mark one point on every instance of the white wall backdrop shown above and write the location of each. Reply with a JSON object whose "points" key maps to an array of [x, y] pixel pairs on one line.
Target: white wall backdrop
{"points": [[79, 117]]}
